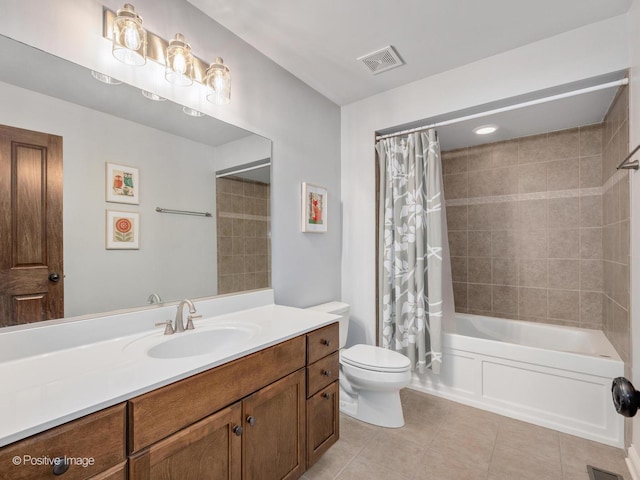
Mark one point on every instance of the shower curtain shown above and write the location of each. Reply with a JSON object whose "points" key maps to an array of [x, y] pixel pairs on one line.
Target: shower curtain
{"points": [[414, 264]]}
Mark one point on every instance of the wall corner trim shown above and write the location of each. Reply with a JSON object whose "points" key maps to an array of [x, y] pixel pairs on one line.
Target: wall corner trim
{"points": [[633, 462]]}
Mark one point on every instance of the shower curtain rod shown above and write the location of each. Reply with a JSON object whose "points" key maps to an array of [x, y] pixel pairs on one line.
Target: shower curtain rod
{"points": [[615, 83]]}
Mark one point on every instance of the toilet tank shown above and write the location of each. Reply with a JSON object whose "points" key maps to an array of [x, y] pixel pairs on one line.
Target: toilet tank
{"points": [[337, 308]]}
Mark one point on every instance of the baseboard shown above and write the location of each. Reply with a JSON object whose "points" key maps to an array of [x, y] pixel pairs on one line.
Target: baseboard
{"points": [[633, 462]]}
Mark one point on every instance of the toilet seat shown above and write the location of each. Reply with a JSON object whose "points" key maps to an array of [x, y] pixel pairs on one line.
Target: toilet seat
{"points": [[377, 359]]}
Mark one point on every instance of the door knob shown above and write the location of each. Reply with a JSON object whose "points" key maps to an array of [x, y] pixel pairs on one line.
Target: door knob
{"points": [[54, 277], [626, 399]]}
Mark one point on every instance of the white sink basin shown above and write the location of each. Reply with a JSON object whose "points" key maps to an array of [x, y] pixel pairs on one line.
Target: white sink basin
{"points": [[201, 341]]}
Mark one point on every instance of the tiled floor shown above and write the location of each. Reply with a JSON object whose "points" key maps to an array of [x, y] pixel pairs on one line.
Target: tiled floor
{"points": [[443, 440]]}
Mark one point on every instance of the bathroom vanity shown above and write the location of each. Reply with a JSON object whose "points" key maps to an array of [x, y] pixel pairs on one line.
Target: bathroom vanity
{"points": [[267, 409]]}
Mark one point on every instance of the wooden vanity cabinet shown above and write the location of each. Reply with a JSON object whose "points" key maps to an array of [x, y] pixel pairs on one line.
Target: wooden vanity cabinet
{"points": [[266, 416], [99, 438], [323, 402]]}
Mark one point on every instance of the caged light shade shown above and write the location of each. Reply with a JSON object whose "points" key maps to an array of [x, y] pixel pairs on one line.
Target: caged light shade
{"points": [[179, 62], [218, 82], [129, 37]]}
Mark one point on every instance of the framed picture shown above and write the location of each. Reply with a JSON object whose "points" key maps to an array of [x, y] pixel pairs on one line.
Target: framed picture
{"points": [[123, 230], [122, 184], [314, 208]]}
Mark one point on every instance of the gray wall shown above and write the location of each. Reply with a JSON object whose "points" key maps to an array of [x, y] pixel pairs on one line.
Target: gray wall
{"points": [[303, 125]]}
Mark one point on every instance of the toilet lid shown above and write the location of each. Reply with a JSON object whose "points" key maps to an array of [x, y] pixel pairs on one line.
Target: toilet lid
{"points": [[379, 359]]}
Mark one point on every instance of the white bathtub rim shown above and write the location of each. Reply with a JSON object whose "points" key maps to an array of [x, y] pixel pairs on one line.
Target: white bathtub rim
{"points": [[608, 350], [568, 361]]}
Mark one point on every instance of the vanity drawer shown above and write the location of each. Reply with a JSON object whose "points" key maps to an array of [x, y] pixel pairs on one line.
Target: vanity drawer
{"points": [[98, 438], [322, 342], [157, 414], [322, 373]]}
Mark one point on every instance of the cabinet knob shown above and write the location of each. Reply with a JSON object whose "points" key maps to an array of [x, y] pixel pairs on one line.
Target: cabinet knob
{"points": [[251, 420], [60, 466], [326, 373], [326, 396], [325, 342], [237, 430]]}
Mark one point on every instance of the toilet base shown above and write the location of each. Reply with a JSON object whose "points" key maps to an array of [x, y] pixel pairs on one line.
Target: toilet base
{"points": [[383, 409]]}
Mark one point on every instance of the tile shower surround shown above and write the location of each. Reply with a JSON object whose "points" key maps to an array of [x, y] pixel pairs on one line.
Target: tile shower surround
{"points": [[616, 239], [244, 251], [525, 227]]}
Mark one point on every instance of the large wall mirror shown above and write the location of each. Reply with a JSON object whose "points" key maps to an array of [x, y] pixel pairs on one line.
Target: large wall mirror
{"points": [[183, 163]]}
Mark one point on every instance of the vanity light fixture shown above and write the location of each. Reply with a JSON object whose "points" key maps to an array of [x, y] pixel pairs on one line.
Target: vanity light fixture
{"points": [[179, 62], [192, 112], [152, 96], [101, 77], [129, 38], [218, 82], [132, 45], [485, 129]]}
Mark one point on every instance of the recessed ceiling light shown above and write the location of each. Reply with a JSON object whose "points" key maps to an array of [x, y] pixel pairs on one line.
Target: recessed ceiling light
{"points": [[192, 112], [101, 77], [153, 96], [485, 129]]}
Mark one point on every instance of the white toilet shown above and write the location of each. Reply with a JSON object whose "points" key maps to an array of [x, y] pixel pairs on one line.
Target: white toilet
{"points": [[370, 377]]}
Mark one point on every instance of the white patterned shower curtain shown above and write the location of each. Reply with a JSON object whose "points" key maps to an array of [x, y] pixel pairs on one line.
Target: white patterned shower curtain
{"points": [[414, 266]]}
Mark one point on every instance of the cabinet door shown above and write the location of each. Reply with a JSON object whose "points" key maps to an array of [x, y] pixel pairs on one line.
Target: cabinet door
{"points": [[207, 450], [323, 422], [273, 443]]}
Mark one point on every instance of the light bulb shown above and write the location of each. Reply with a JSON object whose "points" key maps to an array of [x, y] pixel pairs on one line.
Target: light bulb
{"points": [[219, 82], [179, 63], [132, 37]]}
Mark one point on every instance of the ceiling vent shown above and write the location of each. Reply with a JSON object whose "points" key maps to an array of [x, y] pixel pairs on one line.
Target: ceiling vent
{"points": [[381, 60]]}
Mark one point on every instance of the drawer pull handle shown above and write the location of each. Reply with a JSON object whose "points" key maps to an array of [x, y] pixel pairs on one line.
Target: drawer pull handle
{"points": [[326, 373], [237, 430], [251, 420], [60, 465], [325, 342], [326, 396]]}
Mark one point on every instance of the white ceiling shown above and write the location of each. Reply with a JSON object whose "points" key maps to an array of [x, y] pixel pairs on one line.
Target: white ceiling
{"points": [[319, 41]]}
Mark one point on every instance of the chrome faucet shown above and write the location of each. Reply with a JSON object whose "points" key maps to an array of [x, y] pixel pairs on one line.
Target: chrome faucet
{"points": [[179, 324]]}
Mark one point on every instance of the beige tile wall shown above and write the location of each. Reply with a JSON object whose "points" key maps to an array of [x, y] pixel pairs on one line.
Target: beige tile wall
{"points": [[244, 250], [525, 227], [615, 232]]}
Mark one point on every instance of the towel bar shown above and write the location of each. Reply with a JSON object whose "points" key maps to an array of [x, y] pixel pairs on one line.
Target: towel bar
{"points": [[630, 165]]}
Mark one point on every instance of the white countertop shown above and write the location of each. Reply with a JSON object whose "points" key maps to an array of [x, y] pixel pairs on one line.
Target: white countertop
{"points": [[51, 388]]}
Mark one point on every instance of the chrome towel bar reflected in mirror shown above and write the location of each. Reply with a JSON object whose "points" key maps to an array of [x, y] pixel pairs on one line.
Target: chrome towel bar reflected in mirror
{"points": [[183, 212]]}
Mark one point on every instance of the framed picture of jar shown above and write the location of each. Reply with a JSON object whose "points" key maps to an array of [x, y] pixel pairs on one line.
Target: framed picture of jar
{"points": [[122, 184], [123, 230], [314, 208]]}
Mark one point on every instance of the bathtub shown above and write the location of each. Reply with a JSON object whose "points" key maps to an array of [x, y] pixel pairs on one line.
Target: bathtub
{"points": [[554, 376]]}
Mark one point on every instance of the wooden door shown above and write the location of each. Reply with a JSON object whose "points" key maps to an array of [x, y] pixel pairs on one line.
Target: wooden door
{"points": [[207, 450], [273, 443], [31, 276]]}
